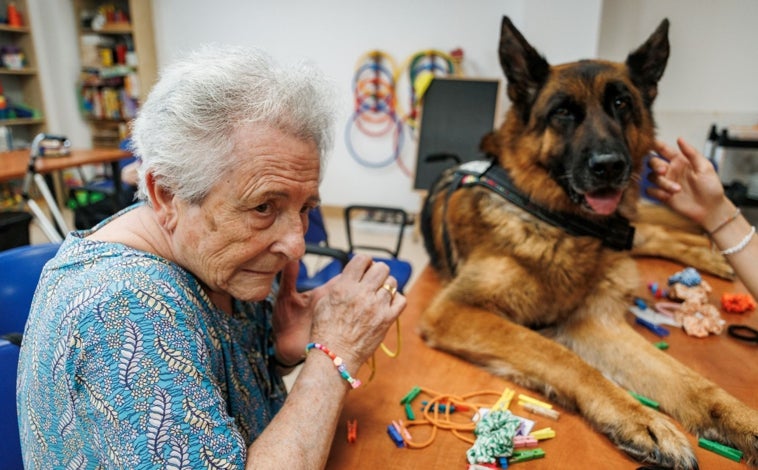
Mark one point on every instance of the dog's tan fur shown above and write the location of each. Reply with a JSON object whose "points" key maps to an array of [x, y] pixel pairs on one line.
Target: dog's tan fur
{"points": [[529, 302]]}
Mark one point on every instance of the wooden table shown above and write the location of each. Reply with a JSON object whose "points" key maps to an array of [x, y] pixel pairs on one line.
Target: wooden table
{"points": [[13, 164], [730, 363]]}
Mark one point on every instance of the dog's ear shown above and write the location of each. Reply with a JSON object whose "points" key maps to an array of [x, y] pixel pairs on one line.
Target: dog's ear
{"points": [[524, 67], [647, 63]]}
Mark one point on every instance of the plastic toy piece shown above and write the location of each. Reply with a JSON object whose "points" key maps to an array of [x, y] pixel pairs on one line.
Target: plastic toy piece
{"points": [[409, 412], [520, 442], [400, 427], [534, 401], [645, 401], [442, 408], [504, 401], [662, 345], [410, 395], [395, 436], [542, 434], [526, 455], [352, 430], [657, 329], [538, 410], [722, 450]]}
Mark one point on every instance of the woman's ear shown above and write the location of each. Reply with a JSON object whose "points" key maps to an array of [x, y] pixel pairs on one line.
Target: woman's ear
{"points": [[163, 201]]}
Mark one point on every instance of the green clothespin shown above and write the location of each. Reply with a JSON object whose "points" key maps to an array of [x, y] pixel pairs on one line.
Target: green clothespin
{"points": [[720, 449], [645, 400], [526, 454], [410, 395]]}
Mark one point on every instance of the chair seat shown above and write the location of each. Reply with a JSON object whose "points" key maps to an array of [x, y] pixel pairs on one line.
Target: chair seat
{"points": [[306, 282]]}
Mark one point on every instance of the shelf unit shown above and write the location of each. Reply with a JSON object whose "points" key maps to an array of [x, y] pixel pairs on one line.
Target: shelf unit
{"points": [[118, 64], [22, 106]]}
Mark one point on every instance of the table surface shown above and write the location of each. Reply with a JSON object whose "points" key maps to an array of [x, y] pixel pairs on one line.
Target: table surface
{"points": [[13, 164], [730, 363]]}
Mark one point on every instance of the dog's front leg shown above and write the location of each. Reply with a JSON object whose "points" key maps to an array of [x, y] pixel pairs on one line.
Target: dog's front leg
{"points": [[703, 408], [526, 357]]}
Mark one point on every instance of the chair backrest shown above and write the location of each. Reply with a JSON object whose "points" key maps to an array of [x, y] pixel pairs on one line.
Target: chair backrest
{"points": [[20, 269], [316, 233], [321, 262], [391, 223], [392, 220]]}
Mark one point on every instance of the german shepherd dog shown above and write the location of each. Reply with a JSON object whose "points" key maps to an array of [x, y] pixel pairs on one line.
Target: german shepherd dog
{"points": [[533, 254]]}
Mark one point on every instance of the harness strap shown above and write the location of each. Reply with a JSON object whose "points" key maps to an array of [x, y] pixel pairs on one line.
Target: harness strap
{"points": [[614, 232]]}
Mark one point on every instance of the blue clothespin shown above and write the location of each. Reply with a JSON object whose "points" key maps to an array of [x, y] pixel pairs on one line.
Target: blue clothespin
{"points": [[395, 436], [657, 329]]}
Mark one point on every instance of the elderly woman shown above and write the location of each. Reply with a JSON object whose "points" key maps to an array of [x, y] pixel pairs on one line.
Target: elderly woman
{"points": [[156, 339]]}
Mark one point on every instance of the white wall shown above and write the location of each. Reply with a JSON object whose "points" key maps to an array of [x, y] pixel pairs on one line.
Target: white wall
{"points": [[335, 34], [712, 73], [710, 78]]}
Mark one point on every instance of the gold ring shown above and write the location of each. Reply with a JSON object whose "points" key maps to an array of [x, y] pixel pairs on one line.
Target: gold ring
{"points": [[391, 289]]}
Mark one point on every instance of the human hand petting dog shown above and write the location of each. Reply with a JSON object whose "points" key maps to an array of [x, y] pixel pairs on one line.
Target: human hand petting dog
{"points": [[688, 183]]}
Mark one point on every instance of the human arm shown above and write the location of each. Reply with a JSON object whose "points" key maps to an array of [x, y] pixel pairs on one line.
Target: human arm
{"points": [[351, 316], [687, 182]]}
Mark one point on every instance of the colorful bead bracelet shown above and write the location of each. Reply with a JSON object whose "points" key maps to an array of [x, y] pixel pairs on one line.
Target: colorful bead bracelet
{"points": [[338, 363]]}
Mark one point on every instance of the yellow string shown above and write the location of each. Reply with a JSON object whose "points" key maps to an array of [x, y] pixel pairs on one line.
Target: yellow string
{"points": [[387, 351], [399, 342]]}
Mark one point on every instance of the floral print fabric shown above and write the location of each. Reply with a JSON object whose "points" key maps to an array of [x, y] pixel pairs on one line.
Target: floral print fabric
{"points": [[126, 363]]}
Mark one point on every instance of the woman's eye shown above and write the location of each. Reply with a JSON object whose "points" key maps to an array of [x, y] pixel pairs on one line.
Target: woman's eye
{"points": [[263, 208]]}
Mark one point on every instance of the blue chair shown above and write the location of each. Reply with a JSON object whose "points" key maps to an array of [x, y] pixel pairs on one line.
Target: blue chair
{"points": [[317, 244], [324, 261], [20, 269]]}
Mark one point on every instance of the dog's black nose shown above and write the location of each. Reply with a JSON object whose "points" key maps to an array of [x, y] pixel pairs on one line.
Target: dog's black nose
{"points": [[608, 166]]}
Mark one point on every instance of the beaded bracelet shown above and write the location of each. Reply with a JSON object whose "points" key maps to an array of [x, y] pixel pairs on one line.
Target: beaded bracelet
{"points": [[338, 363], [741, 245]]}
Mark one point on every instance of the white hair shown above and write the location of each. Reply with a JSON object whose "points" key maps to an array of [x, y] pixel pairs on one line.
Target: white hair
{"points": [[184, 132]]}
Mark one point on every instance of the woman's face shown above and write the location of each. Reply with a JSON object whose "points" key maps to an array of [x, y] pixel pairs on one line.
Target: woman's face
{"points": [[253, 221]]}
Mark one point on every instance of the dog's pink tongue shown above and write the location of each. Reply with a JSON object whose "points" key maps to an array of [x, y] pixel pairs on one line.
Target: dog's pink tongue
{"points": [[604, 203]]}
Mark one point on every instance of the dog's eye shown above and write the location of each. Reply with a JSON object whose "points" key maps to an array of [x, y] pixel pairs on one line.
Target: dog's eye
{"points": [[621, 103], [563, 112]]}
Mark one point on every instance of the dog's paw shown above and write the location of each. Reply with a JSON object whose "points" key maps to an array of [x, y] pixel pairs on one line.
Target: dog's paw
{"points": [[740, 432], [716, 264], [653, 439]]}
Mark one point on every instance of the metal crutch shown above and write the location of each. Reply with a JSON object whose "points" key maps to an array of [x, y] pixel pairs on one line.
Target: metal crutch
{"points": [[31, 175]]}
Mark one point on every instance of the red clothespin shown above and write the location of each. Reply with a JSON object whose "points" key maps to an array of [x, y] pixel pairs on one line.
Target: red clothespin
{"points": [[352, 430]]}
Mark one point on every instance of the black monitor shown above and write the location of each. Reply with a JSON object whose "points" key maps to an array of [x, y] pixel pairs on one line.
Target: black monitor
{"points": [[457, 113]]}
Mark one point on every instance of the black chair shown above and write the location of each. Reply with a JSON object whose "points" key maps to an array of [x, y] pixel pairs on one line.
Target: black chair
{"points": [[390, 222], [323, 261]]}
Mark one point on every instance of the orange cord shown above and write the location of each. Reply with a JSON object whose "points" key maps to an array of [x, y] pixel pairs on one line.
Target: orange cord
{"points": [[437, 420]]}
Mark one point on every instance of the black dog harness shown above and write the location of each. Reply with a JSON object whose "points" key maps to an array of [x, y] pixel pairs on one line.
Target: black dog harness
{"points": [[614, 232]]}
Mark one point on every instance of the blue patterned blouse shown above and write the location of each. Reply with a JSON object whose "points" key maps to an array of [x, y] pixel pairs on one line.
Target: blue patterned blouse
{"points": [[126, 363]]}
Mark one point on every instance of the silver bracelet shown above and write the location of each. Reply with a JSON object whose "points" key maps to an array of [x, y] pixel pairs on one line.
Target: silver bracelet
{"points": [[741, 245], [725, 222]]}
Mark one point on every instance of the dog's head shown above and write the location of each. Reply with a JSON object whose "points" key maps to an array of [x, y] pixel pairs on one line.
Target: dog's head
{"points": [[576, 134]]}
